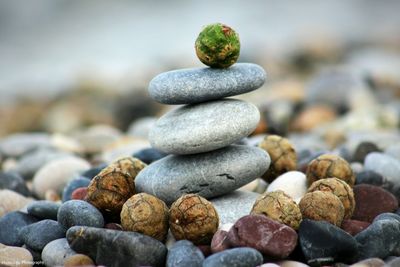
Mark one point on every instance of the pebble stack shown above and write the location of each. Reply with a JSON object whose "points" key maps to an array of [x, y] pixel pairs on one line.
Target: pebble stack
{"points": [[201, 134]]}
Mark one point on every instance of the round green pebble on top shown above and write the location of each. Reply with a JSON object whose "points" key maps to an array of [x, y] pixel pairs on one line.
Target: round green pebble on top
{"points": [[218, 46]]}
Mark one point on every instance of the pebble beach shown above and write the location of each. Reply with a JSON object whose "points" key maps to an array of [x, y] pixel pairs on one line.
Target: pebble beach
{"points": [[211, 167]]}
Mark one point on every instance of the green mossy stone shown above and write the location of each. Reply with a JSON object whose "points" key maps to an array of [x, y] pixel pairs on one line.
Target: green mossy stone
{"points": [[218, 46]]}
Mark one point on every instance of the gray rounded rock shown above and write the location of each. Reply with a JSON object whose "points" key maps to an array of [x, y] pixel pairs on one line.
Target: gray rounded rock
{"points": [[239, 257], [44, 209], [38, 235], [56, 252], [183, 253], [204, 127], [187, 86], [79, 212], [207, 174]]}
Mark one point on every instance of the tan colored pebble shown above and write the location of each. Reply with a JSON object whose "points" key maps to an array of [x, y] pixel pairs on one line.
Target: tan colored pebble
{"points": [[15, 256], [312, 117], [78, 260], [194, 218], [329, 165], [12, 201], [282, 153], [322, 206], [145, 214], [340, 189], [280, 207]]}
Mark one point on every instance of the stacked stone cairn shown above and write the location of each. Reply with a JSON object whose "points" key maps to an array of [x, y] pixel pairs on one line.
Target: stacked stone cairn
{"points": [[201, 134]]}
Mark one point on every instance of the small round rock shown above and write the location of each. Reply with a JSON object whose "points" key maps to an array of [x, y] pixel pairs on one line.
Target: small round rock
{"points": [[78, 260], [194, 218], [79, 212], [283, 156], [183, 253], [146, 214], [322, 206], [340, 189], [218, 46], [329, 165], [280, 207]]}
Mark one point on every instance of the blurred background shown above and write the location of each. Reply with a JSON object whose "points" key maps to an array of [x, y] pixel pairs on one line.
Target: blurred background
{"points": [[65, 64]]}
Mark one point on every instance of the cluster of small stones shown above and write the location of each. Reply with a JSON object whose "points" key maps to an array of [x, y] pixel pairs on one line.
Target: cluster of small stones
{"points": [[186, 208]]}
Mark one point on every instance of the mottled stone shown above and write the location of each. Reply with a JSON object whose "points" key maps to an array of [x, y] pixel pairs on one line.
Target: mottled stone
{"points": [[56, 252], [371, 201], [13, 181], [227, 205], [380, 239], [56, 174], [239, 257], [15, 256], [72, 185], [44, 209], [320, 239], [183, 253], [12, 201], [39, 234], [79, 212], [271, 238], [11, 224], [353, 227], [208, 174], [195, 85], [204, 127], [117, 248], [293, 183]]}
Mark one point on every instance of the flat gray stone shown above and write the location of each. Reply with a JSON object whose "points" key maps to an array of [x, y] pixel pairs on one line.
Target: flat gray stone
{"points": [[209, 174], [204, 127], [56, 252], [187, 86], [235, 205]]}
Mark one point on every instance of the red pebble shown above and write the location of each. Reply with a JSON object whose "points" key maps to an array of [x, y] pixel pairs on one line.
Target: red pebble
{"points": [[219, 241], [371, 201], [79, 193], [353, 227]]}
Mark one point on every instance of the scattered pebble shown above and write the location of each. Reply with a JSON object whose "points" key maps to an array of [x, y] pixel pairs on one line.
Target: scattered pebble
{"points": [[183, 253], [78, 212], [11, 224], [243, 257], [78, 260], [117, 248], [56, 252], [293, 183], [12, 201], [15, 256], [13, 181], [72, 185]]}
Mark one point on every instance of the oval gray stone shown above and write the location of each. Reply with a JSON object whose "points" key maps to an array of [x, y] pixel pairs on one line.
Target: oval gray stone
{"points": [[204, 127], [187, 86], [56, 252], [208, 174]]}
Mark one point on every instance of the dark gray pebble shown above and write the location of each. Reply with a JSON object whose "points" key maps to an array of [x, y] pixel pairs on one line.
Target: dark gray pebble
{"points": [[117, 248], [92, 172], [38, 235], [183, 253], [79, 212], [44, 209], [370, 177], [238, 257], [380, 239], [320, 239], [10, 224], [15, 182], [149, 155], [363, 149], [72, 185], [387, 216]]}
